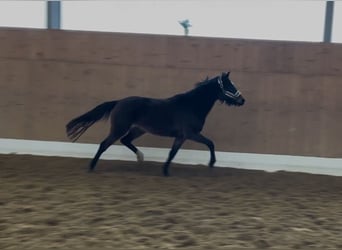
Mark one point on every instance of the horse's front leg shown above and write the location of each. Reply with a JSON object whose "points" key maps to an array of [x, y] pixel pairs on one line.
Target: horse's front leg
{"points": [[178, 142], [202, 139]]}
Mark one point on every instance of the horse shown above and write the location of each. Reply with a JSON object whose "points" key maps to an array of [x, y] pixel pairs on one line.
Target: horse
{"points": [[181, 117]]}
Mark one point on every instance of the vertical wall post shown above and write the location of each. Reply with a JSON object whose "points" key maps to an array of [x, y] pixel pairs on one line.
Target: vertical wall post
{"points": [[329, 13], [53, 14]]}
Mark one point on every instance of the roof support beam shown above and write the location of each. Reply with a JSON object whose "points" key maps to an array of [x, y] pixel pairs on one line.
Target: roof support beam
{"points": [[329, 14], [53, 14]]}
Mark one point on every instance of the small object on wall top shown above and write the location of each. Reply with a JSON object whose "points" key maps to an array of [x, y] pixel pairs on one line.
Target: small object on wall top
{"points": [[186, 25]]}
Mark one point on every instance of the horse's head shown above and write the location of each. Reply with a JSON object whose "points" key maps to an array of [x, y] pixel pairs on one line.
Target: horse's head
{"points": [[228, 92]]}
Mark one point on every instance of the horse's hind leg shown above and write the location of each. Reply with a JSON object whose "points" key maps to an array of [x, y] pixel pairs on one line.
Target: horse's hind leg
{"points": [[114, 135], [132, 134]]}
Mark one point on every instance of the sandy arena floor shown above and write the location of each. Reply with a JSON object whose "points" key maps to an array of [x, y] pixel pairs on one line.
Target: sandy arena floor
{"points": [[53, 203]]}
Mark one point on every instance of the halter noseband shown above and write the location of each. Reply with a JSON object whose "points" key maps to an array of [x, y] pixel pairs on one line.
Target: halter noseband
{"points": [[226, 92]]}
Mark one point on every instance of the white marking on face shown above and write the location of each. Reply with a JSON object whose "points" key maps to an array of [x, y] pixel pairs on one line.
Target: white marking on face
{"points": [[232, 95], [228, 93]]}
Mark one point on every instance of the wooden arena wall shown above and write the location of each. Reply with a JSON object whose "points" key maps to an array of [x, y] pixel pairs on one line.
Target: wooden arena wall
{"points": [[293, 90]]}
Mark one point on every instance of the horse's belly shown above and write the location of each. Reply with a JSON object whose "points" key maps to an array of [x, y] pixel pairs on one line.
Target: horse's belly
{"points": [[159, 130], [161, 127]]}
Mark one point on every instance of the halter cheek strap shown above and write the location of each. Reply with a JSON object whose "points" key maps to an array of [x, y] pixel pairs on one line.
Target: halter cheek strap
{"points": [[226, 92]]}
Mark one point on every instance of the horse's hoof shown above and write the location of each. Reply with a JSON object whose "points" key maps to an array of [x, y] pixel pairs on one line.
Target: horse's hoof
{"points": [[140, 156], [211, 164], [166, 172]]}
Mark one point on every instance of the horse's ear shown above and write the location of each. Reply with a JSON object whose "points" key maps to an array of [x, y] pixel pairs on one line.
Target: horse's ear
{"points": [[225, 74]]}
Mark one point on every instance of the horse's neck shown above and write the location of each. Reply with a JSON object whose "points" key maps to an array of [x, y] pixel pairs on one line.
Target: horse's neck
{"points": [[203, 99]]}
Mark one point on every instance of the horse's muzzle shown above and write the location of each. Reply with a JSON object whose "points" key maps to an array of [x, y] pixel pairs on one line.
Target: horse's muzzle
{"points": [[240, 101]]}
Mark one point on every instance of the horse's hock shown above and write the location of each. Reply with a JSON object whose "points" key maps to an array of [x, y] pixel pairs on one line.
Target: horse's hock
{"points": [[292, 89]]}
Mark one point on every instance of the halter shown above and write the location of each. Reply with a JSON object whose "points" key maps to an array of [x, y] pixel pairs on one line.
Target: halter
{"points": [[226, 92]]}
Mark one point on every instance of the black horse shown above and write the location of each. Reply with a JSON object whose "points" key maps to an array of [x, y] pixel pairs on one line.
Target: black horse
{"points": [[181, 117]]}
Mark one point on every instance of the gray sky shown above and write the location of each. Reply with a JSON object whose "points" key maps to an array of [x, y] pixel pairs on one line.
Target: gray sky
{"points": [[277, 20]]}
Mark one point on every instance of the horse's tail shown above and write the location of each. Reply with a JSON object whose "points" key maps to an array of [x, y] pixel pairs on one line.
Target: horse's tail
{"points": [[77, 126]]}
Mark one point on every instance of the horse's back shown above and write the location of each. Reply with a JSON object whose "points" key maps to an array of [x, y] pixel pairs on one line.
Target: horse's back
{"points": [[165, 117], [131, 105], [152, 115]]}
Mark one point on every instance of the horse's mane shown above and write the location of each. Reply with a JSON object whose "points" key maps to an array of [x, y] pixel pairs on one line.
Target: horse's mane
{"points": [[198, 86], [204, 82]]}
